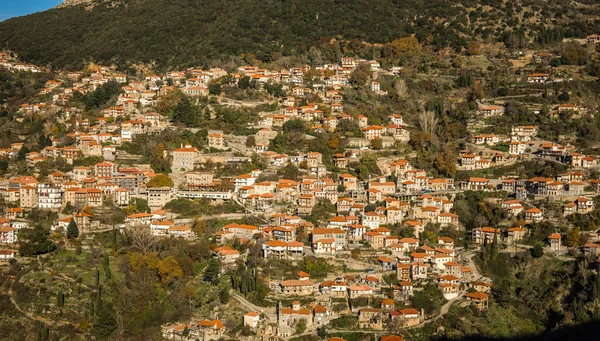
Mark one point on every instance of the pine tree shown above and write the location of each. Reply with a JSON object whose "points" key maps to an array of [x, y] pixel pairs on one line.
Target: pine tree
{"points": [[36, 241], [537, 251], [184, 112], [224, 295], [72, 230], [322, 332], [105, 323], [212, 272]]}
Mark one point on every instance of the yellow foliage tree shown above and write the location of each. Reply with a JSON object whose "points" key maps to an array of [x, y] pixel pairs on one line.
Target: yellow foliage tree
{"points": [[160, 180], [474, 48], [408, 46], [159, 151], [199, 226], [137, 261], [168, 269], [333, 143], [573, 238]]}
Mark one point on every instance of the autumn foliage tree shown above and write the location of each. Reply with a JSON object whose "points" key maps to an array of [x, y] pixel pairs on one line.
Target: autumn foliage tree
{"points": [[445, 163], [407, 49], [573, 238], [361, 74], [160, 180], [166, 269]]}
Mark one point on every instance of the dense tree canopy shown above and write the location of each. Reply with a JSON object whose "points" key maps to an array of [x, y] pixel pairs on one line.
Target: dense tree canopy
{"points": [[160, 180], [35, 241], [258, 30]]}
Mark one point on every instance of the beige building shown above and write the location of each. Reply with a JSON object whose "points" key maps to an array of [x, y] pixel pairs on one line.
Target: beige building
{"points": [[216, 139], [184, 158], [28, 196], [158, 196], [251, 319]]}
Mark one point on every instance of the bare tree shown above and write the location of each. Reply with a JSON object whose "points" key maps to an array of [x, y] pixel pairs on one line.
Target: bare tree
{"points": [[48, 125], [400, 87], [118, 335], [315, 55], [396, 326], [142, 239], [427, 121]]}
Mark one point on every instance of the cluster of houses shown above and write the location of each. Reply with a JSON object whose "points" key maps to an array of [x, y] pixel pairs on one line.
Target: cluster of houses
{"points": [[366, 209]]}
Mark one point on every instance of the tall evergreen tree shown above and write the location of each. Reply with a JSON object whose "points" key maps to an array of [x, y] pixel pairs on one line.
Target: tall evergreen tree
{"points": [[185, 113], [596, 288], [92, 312], [494, 248], [105, 323], [106, 263], [72, 230], [114, 240], [60, 299], [212, 272], [35, 241]]}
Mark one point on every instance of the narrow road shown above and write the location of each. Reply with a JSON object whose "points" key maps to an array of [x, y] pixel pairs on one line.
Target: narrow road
{"points": [[443, 311], [270, 313], [238, 103], [347, 261], [67, 278], [216, 216], [311, 331], [469, 257], [446, 307]]}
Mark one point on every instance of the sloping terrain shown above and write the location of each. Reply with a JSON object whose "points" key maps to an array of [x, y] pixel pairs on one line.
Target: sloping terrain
{"points": [[174, 33]]}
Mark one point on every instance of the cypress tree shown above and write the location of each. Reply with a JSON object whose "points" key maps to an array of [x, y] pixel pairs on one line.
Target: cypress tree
{"points": [[106, 262], [596, 288], [114, 240], [99, 297], [92, 312], [494, 248], [45, 333], [60, 299], [97, 276]]}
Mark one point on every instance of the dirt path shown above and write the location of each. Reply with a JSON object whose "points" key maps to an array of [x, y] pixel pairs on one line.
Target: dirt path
{"points": [[32, 316]]}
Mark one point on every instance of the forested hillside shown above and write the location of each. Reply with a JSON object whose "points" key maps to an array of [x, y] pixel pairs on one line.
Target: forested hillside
{"points": [[173, 33]]}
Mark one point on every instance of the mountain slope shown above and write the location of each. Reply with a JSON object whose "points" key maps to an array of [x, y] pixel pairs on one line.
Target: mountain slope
{"points": [[191, 32]]}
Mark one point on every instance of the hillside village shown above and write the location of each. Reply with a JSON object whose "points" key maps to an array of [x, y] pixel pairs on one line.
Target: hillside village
{"points": [[355, 233]]}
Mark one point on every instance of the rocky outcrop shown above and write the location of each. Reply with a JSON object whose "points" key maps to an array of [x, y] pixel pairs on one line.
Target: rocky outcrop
{"points": [[67, 3]]}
